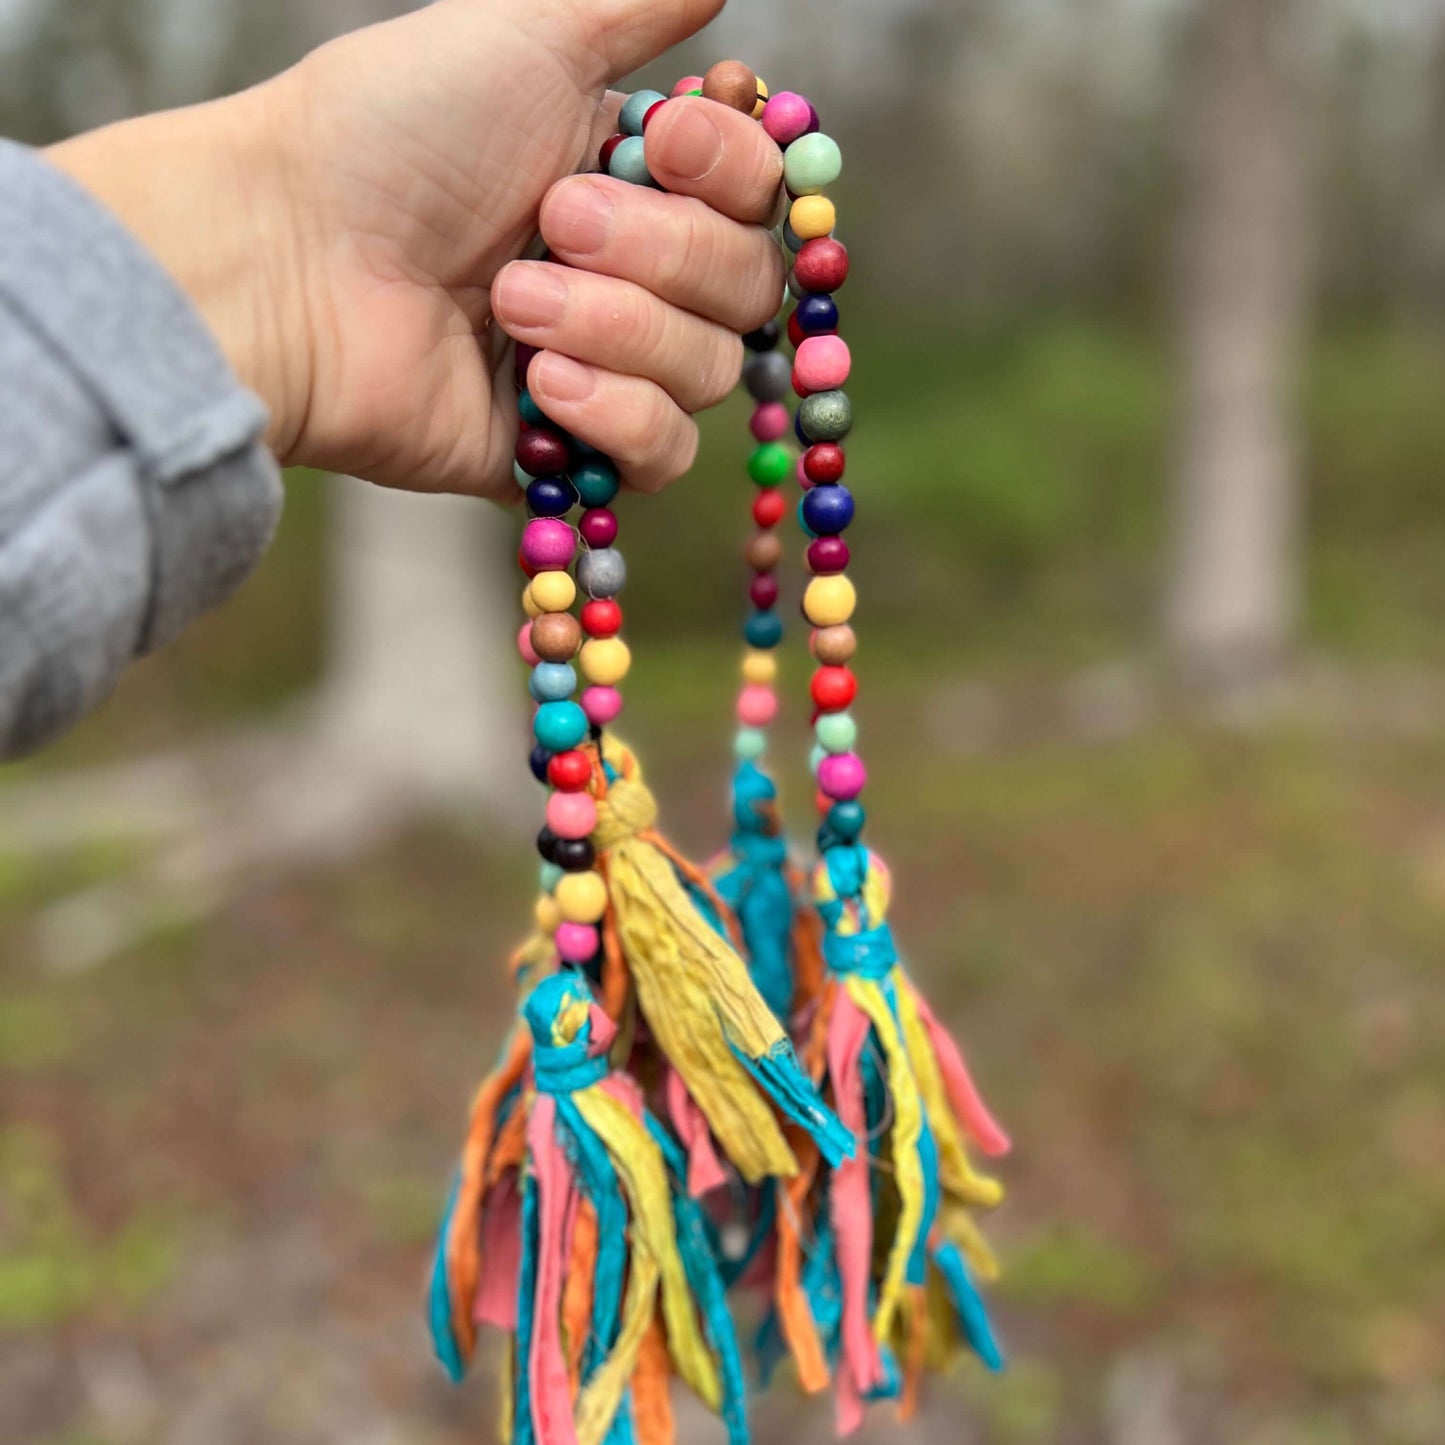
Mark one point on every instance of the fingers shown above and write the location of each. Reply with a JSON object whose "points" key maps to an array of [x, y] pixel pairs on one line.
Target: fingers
{"points": [[625, 34], [620, 326], [679, 248], [652, 440], [695, 147]]}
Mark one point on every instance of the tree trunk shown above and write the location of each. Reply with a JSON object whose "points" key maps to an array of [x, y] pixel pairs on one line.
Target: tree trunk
{"points": [[1234, 584]]}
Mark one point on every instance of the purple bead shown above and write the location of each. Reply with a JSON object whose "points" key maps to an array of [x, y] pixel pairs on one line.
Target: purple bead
{"points": [[842, 776], [828, 554], [599, 527], [814, 124], [548, 544]]}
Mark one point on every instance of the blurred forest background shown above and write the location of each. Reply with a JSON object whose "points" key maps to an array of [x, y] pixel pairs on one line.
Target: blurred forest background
{"points": [[1147, 315]]}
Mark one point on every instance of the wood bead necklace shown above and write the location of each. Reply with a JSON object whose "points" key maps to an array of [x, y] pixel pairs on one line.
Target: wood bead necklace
{"points": [[703, 1048]]}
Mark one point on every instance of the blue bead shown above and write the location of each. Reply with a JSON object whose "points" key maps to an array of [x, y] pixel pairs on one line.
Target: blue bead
{"points": [[549, 875], [764, 629], [817, 315], [596, 482], [560, 726], [538, 762], [798, 431], [552, 681], [846, 819], [828, 509], [528, 410], [550, 497], [635, 108], [803, 515], [629, 163]]}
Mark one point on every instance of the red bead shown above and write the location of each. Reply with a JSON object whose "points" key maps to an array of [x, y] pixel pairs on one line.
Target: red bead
{"points": [[598, 527], [768, 507], [833, 688], [652, 111], [569, 772], [822, 802], [605, 154], [602, 617], [525, 565], [541, 452], [796, 334], [802, 391], [827, 554], [825, 462], [822, 265], [764, 590]]}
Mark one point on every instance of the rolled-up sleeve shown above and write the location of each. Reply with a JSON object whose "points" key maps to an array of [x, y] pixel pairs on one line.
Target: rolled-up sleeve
{"points": [[135, 487]]}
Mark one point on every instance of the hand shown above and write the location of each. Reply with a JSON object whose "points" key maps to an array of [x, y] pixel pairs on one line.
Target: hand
{"points": [[353, 228]]}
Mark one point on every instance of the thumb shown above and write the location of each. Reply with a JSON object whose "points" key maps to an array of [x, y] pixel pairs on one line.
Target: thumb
{"points": [[610, 38]]}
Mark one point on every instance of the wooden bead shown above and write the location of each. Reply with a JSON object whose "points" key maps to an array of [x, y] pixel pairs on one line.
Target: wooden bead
{"points": [[569, 772], [833, 646], [812, 217], [760, 668], [763, 551], [829, 601], [553, 591], [731, 83], [581, 897], [833, 689], [530, 605], [812, 163], [822, 265], [762, 101], [768, 507], [547, 914], [556, 636], [602, 618], [605, 660]]}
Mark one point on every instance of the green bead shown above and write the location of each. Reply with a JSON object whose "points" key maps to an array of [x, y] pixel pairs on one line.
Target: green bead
{"points": [[596, 482], [550, 876], [815, 758], [826, 416], [846, 819], [811, 163], [836, 731], [750, 744], [523, 479], [770, 464]]}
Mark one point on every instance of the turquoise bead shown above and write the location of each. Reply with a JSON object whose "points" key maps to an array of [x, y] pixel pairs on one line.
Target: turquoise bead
{"points": [[847, 819], [763, 629], [803, 519], [523, 479], [629, 163], [634, 110], [836, 731], [750, 744], [815, 758], [550, 876], [559, 726], [552, 681], [529, 411], [596, 482], [811, 163]]}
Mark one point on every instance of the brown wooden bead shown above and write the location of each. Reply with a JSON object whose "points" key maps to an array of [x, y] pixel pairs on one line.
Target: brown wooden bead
{"points": [[763, 551], [556, 636], [730, 82], [833, 646]]}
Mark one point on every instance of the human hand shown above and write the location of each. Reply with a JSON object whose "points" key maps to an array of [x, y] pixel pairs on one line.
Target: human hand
{"points": [[354, 228]]}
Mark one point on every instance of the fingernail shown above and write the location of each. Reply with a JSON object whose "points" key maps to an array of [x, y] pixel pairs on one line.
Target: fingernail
{"points": [[530, 294], [565, 379], [693, 144], [579, 218]]}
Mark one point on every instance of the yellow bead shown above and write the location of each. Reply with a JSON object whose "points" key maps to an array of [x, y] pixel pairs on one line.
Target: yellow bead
{"points": [[813, 216], [553, 591], [762, 101], [605, 660], [829, 601], [760, 668], [581, 897], [529, 603], [547, 914]]}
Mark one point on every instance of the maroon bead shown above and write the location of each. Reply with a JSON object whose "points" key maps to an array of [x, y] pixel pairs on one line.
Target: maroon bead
{"points": [[769, 506], [598, 527], [822, 265], [796, 334], [828, 554], [825, 462], [605, 154], [764, 591], [523, 360], [652, 111], [541, 452]]}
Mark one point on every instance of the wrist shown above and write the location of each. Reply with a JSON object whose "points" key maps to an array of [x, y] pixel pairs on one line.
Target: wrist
{"points": [[206, 190]]}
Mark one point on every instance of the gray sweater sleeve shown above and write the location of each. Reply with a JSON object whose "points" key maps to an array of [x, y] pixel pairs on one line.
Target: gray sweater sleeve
{"points": [[135, 491]]}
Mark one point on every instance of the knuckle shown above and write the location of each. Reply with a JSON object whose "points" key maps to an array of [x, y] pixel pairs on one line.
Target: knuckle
{"points": [[685, 264], [722, 368]]}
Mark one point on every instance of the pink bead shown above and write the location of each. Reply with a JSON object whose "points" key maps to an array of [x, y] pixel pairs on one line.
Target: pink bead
{"points": [[524, 645], [770, 422], [687, 83], [786, 116], [571, 815], [823, 363], [842, 776], [804, 480], [548, 544], [577, 942], [601, 704], [757, 705]]}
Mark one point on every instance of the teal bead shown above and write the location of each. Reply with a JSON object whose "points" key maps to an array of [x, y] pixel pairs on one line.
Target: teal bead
{"points": [[816, 757], [846, 819], [552, 681], [596, 482], [770, 464], [529, 411], [559, 726], [629, 163], [763, 629], [836, 731], [750, 744], [811, 163], [635, 108], [803, 519], [523, 479], [550, 876]]}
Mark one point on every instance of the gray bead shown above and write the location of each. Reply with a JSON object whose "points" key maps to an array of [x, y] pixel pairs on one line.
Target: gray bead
{"points": [[768, 376], [791, 239], [826, 417], [602, 573]]}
